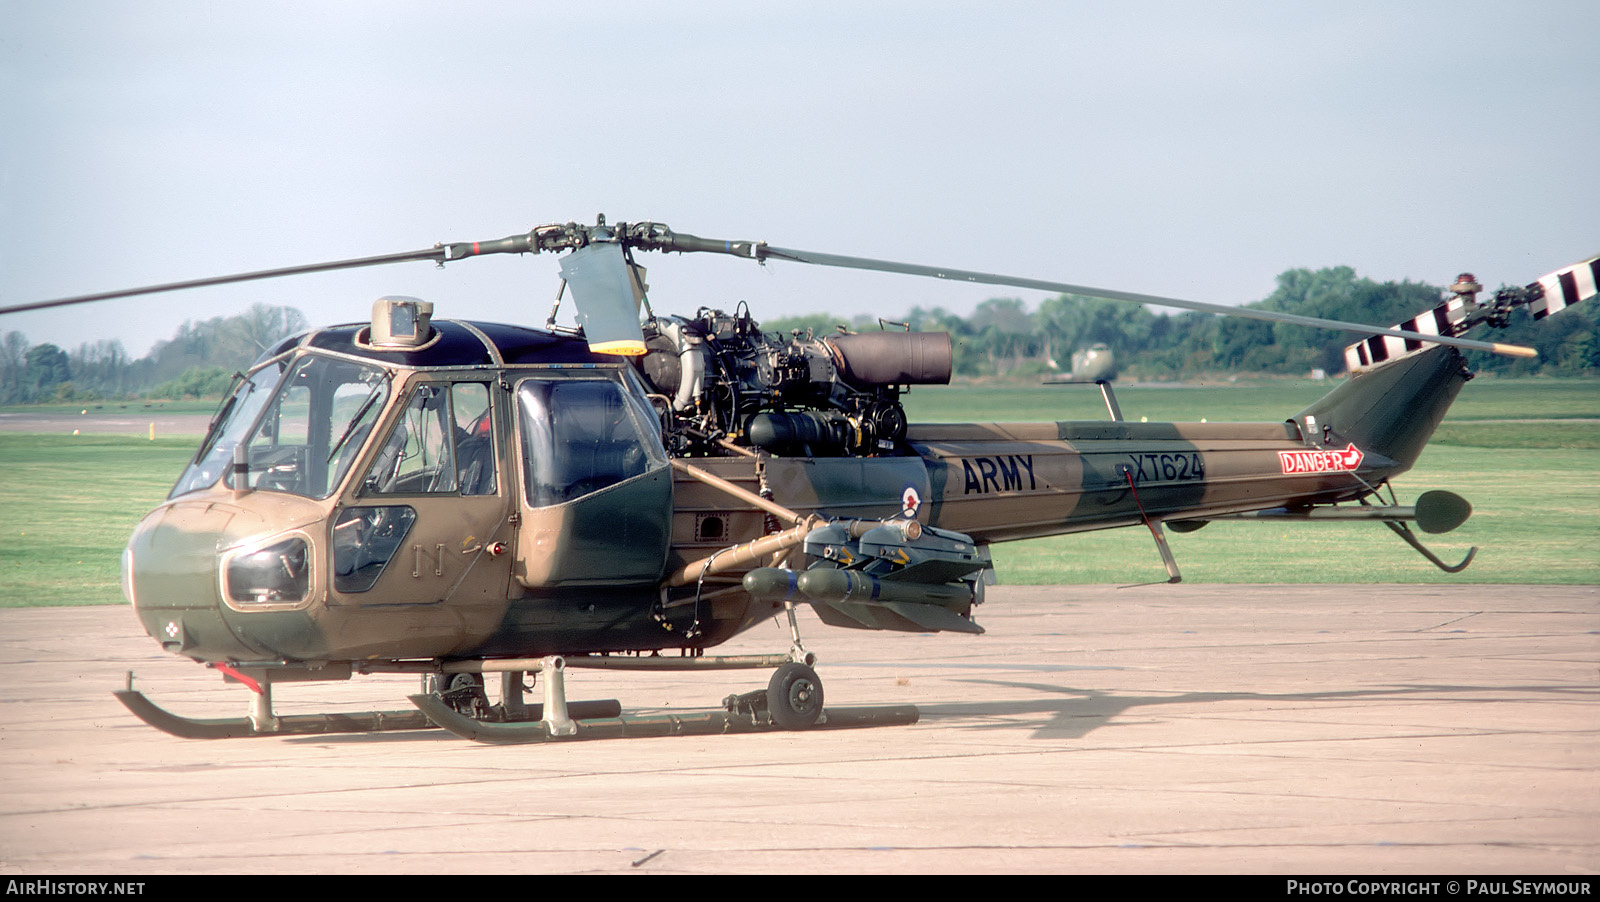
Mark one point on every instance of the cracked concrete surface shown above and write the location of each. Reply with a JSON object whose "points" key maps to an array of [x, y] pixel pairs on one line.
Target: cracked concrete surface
{"points": [[1191, 729]]}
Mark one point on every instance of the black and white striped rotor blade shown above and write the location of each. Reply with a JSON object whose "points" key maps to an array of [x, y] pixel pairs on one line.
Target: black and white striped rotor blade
{"points": [[1566, 287], [1547, 295]]}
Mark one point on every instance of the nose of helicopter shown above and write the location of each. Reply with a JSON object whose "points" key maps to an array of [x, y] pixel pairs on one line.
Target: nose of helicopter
{"points": [[175, 571]]}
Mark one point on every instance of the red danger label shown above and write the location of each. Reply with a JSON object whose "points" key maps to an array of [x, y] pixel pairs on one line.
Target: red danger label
{"points": [[1295, 462]]}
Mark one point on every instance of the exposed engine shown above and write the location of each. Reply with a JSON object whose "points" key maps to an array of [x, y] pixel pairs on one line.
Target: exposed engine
{"points": [[719, 378]]}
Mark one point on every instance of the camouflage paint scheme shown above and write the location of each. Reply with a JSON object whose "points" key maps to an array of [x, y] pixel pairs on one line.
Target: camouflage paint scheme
{"points": [[494, 575]]}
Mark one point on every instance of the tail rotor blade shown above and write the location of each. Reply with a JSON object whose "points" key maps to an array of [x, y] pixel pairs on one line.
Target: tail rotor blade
{"points": [[1566, 287], [1544, 296]]}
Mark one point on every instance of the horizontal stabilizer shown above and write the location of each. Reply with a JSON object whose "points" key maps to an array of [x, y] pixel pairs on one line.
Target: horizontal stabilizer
{"points": [[1435, 512]]}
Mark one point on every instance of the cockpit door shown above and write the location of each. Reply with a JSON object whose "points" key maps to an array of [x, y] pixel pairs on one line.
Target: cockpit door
{"points": [[430, 521], [596, 498]]}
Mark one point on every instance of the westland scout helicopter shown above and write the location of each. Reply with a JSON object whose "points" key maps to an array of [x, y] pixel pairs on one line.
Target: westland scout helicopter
{"points": [[455, 499]]}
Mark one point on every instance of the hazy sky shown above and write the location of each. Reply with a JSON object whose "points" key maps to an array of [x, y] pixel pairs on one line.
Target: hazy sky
{"points": [[1184, 149]]}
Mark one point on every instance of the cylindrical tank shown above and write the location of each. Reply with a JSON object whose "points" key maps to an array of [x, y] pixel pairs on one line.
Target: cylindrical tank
{"points": [[893, 358]]}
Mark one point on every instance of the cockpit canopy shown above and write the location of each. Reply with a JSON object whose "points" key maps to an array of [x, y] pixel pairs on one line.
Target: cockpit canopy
{"points": [[301, 417], [300, 423]]}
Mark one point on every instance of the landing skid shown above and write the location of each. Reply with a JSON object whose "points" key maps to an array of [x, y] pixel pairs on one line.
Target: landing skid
{"points": [[695, 723], [600, 719], [310, 724], [236, 727], [793, 700]]}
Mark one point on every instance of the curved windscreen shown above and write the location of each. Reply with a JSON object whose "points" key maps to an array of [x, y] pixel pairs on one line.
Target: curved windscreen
{"points": [[303, 424], [232, 420]]}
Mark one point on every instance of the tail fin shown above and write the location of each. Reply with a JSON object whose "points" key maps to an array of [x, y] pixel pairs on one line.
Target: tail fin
{"points": [[1391, 410]]}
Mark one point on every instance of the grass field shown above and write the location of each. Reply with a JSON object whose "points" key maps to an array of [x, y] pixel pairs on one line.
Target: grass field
{"points": [[70, 503], [1483, 402], [1525, 452]]}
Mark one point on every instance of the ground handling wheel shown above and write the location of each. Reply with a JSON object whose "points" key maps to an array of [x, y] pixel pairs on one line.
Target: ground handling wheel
{"points": [[794, 697], [463, 692]]}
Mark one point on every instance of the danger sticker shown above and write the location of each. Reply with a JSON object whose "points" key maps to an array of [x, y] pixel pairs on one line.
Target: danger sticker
{"points": [[1297, 462]]}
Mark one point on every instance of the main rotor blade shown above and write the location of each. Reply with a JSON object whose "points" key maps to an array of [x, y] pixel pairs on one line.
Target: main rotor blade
{"points": [[963, 275], [440, 253], [434, 253], [656, 236]]}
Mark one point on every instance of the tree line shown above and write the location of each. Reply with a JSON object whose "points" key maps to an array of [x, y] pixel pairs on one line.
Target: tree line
{"points": [[197, 362], [1002, 337]]}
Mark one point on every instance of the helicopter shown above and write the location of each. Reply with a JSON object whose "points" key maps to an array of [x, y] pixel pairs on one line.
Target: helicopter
{"points": [[455, 499], [1095, 363]]}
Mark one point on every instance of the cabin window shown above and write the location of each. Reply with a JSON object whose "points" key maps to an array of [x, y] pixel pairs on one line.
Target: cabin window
{"points": [[475, 445], [582, 435], [443, 444]]}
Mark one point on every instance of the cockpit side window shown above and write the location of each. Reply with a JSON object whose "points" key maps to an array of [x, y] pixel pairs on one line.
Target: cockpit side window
{"points": [[580, 436], [442, 444], [475, 446]]}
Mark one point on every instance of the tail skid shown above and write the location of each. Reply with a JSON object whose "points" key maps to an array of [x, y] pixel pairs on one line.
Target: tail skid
{"points": [[1401, 530]]}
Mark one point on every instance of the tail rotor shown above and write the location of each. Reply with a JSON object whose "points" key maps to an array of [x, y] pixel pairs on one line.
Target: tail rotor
{"points": [[1544, 296]]}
